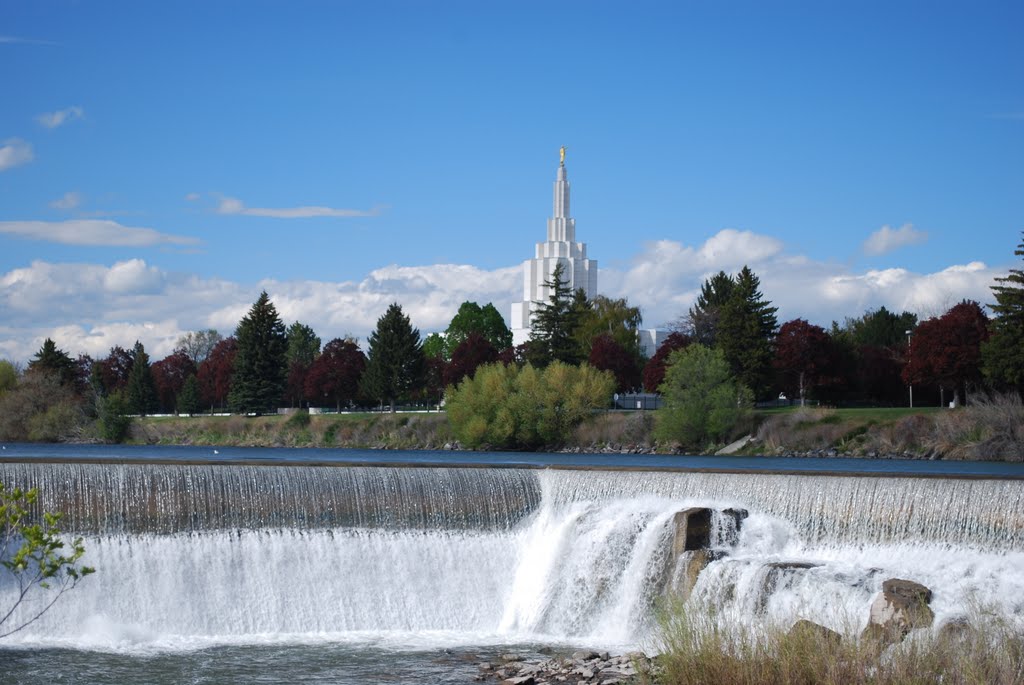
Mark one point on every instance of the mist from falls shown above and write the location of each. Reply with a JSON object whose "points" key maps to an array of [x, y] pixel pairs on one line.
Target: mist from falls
{"points": [[194, 555]]}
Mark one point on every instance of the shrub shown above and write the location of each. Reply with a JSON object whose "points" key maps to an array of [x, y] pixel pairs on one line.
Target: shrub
{"points": [[114, 424], [511, 407], [702, 399], [298, 420]]}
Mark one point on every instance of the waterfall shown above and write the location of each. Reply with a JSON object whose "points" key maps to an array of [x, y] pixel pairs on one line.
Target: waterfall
{"points": [[192, 555]]}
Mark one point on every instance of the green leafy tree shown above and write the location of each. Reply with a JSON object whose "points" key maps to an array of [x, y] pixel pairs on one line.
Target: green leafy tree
{"points": [[703, 400], [140, 392], [1003, 353], [433, 346], [260, 367], [746, 329], [8, 376], [553, 324], [395, 364], [701, 322], [614, 318], [881, 328], [303, 349], [472, 318], [189, 399], [54, 361], [525, 407], [41, 568]]}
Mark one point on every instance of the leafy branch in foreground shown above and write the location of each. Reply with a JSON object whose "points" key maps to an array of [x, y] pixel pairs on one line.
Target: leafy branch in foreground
{"points": [[35, 556]]}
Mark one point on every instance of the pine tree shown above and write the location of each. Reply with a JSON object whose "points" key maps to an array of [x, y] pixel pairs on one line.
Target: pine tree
{"points": [[701, 323], [51, 360], [395, 362], [260, 365], [553, 325], [1003, 353], [140, 392], [746, 329], [189, 401]]}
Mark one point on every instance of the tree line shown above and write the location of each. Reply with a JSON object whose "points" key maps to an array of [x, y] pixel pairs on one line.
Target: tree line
{"points": [[871, 359]]}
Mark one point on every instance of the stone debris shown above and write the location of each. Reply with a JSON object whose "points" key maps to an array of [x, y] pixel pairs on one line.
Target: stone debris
{"points": [[583, 667]]}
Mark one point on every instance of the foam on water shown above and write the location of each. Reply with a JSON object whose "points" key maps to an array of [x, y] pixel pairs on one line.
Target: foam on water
{"points": [[425, 558]]}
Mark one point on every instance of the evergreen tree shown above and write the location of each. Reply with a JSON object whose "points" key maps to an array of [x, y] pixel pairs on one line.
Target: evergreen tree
{"points": [[140, 392], [53, 361], [260, 364], [303, 349], [553, 325], [1003, 353], [395, 362], [746, 329], [701, 323], [189, 400]]}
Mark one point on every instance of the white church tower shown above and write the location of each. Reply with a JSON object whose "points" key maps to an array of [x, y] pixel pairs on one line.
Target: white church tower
{"points": [[560, 247]]}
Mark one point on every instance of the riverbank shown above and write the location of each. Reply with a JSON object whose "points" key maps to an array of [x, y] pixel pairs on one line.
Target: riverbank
{"points": [[992, 431]]}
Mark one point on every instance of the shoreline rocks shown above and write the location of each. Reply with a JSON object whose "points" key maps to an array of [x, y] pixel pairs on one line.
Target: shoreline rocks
{"points": [[583, 667]]}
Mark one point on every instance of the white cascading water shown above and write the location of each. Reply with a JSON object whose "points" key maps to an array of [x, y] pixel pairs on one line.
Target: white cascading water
{"points": [[429, 557]]}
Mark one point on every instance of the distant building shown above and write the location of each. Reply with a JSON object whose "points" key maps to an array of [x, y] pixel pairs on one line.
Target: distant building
{"points": [[560, 247], [580, 272]]}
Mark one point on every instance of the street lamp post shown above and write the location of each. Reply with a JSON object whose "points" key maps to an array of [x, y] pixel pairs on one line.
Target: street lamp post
{"points": [[910, 383]]}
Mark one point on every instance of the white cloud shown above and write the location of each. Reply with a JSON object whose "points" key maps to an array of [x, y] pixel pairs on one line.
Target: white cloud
{"points": [[193, 197], [90, 307], [887, 239], [70, 200], [60, 117], [15, 152], [665, 278], [26, 41], [231, 205], [92, 232]]}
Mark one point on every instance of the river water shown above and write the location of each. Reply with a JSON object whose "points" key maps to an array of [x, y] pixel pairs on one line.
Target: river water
{"points": [[345, 566]]}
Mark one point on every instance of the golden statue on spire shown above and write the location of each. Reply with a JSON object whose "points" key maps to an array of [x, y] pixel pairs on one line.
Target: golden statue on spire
{"points": [[561, 156]]}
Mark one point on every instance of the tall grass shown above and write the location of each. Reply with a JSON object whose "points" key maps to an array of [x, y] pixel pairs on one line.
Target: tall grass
{"points": [[698, 649]]}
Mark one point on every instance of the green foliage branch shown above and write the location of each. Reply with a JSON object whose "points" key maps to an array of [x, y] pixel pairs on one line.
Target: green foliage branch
{"points": [[36, 556]]}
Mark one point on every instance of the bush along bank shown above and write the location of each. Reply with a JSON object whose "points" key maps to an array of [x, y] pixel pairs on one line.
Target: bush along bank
{"points": [[988, 430]]}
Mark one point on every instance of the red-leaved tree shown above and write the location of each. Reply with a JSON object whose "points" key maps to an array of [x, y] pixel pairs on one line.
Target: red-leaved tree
{"points": [[804, 358], [471, 353], [654, 370], [169, 376], [606, 354], [946, 351], [216, 371], [111, 372], [334, 376]]}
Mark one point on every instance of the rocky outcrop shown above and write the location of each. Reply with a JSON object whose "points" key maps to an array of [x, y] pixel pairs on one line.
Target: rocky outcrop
{"points": [[581, 668], [902, 606], [692, 544], [814, 633]]}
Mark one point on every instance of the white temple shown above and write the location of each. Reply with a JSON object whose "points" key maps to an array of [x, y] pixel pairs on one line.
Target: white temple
{"points": [[560, 247]]}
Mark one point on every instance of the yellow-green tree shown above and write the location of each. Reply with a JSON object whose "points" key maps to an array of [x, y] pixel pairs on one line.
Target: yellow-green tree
{"points": [[510, 407]]}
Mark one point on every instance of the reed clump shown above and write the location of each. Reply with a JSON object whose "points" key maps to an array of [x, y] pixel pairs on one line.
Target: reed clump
{"points": [[701, 649]]}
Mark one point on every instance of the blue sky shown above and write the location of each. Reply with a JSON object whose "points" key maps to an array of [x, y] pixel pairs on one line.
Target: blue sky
{"points": [[160, 164]]}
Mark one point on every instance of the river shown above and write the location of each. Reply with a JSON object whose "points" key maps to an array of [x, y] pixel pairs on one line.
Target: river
{"points": [[348, 566]]}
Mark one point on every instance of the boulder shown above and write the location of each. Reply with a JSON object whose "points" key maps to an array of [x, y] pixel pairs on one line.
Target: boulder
{"points": [[692, 530], [901, 607], [814, 633], [778, 573]]}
